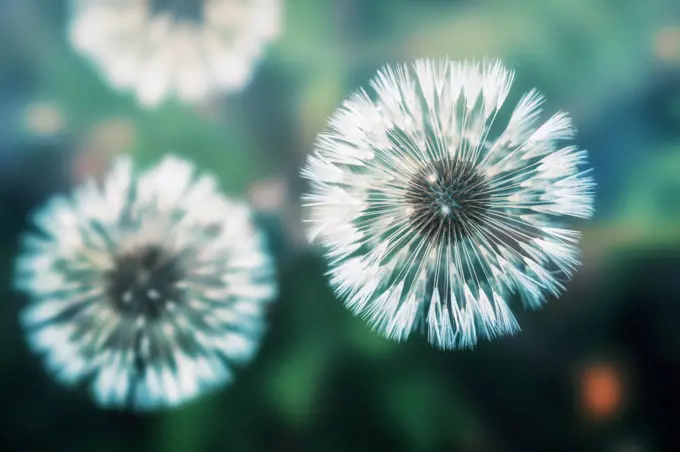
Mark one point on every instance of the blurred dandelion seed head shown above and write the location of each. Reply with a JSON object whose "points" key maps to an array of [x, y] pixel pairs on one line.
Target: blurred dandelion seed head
{"points": [[150, 284], [432, 215], [161, 49]]}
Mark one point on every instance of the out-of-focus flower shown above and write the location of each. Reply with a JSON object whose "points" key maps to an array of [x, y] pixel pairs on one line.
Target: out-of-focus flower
{"points": [[432, 211], [152, 284], [189, 49]]}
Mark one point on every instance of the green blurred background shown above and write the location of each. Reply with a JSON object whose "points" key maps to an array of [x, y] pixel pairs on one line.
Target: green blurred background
{"points": [[597, 369]]}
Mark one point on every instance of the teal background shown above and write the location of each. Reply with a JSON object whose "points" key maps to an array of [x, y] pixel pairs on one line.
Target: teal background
{"points": [[323, 381]]}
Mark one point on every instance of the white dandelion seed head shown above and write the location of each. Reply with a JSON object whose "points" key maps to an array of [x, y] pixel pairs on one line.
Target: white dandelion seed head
{"points": [[151, 285], [433, 210], [189, 49]]}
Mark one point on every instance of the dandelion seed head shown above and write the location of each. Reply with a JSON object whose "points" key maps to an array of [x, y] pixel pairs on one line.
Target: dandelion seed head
{"points": [[433, 213], [161, 49], [149, 285]]}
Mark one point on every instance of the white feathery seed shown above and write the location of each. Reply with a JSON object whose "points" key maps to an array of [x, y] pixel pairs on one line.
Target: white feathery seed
{"points": [[187, 49], [150, 285], [435, 204]]}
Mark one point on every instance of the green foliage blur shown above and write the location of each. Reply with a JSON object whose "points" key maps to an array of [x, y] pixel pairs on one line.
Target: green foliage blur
{"points": [[597, 369]]}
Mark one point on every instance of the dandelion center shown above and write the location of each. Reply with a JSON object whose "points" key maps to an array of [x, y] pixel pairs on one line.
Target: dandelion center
{"points": [[447, 199], [144, 282], [191, 10]]}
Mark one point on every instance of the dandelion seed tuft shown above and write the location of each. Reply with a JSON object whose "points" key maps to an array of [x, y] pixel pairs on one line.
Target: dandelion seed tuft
{"points": [[186, 49], [434, 211], [151, 285]]}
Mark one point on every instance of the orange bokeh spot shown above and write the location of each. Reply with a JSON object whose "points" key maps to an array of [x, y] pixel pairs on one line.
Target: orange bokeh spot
{"points": [[601, 391]]}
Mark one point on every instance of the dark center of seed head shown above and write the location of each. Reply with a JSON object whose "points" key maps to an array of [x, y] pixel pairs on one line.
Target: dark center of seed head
{"points": [[144, 282], [181, 10], [447, 199]]}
